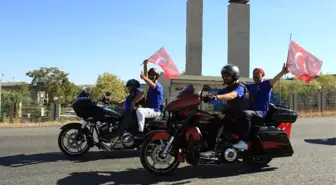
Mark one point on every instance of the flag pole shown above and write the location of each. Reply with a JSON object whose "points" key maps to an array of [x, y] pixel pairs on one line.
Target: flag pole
{"points": [[289, 42], [153, 54], [290, 39]]}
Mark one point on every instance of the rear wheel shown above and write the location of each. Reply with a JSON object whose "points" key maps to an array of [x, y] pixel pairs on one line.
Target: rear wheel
{"points": [[152, 150], [77, 140]]}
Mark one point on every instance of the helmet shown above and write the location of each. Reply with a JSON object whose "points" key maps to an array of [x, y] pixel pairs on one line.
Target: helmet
{"points": [[231, 70], [133, 83], [154, 71]]}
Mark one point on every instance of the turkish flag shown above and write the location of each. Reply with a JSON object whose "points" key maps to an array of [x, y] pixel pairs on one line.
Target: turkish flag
{"points": [[162, 59], [301, 63]]}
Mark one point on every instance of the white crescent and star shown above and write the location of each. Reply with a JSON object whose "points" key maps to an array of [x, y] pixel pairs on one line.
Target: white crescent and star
{"points": [[296, 61], [161, 60]]}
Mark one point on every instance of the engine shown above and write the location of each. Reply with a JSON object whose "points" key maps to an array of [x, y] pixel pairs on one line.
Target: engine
{"points": [[230, 155], [106, 127], [127, 140]]}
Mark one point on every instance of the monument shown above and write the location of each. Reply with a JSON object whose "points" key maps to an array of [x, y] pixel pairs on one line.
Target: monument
{"points": [[194, 31], [238, 36]]}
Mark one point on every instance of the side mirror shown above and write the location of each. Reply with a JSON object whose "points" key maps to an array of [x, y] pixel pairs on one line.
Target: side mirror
{"points": [[206, 87], [108, 94]]}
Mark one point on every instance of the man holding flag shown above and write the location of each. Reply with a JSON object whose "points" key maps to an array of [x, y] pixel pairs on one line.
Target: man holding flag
{"points": [[300, 63], [154, 97], [261, 90], [155, 90]]}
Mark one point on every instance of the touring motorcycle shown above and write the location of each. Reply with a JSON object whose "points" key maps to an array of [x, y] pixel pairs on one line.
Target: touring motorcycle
{"points": [[188, 132], [99, 120]]}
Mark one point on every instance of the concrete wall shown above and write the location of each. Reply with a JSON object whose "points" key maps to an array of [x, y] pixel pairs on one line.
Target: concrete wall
{"points": [[194, 34], [239, 37]]}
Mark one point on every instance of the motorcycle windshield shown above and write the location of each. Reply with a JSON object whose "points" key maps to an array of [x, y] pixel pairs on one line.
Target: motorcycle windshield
{"points": [[189, 89], [82, 94]]}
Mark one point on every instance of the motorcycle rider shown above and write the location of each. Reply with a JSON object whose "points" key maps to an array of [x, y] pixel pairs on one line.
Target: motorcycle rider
{"points": [[236, 97], [135, 97], [260, 92], [154, 97]]}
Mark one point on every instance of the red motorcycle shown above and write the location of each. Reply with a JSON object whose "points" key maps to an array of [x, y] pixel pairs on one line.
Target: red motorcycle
{"points": [[189, 131]]}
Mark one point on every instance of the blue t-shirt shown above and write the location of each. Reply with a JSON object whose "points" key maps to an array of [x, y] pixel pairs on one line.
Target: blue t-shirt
{"points": [[260, 96], [239, 90], [128, 102], [155, 97]]}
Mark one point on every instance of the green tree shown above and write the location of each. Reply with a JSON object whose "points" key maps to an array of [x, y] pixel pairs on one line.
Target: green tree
{"points": [[304, 91], [112, 83], [19, 94], [70, 90], [282, 89], [51, 80], [328, 84]]}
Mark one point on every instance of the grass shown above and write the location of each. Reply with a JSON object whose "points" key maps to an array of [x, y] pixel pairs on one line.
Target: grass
{"points": [[60, 123], [317, 113], [30, 124], [7, 124]]}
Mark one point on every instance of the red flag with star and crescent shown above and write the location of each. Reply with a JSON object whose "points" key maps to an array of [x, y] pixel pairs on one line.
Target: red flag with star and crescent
{"points": [[302, 64], [162, 59]]}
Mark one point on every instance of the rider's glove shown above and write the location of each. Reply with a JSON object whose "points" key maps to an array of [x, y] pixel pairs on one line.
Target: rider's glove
{"points": [[214, 97], [209, 98]]}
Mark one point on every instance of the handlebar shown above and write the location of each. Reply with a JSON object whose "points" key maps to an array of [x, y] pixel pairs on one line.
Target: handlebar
{"points": [[202, 97], [104, 100]]}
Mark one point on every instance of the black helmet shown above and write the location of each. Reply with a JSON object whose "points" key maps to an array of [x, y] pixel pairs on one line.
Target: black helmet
{"points": [[154, 71], [133, 83], [231, 70]]}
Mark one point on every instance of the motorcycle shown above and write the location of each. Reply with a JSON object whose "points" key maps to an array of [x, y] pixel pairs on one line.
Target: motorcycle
{"points": [[99, 120], [189, 130]]}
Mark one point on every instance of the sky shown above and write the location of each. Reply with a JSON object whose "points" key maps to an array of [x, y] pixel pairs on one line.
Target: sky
{"points": [[86, 38]]}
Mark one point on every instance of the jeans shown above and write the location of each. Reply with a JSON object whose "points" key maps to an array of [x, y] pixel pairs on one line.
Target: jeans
{"points": [[240, 122], [143, 113], [245, 121], [126, 123]]}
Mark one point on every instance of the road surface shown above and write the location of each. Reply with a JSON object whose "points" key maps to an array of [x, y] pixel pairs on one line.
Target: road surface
{"points": [[31, 156]]}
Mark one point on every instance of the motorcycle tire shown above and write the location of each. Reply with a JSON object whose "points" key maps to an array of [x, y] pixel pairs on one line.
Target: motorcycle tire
{"points": [[144, 163], [64, 151]]}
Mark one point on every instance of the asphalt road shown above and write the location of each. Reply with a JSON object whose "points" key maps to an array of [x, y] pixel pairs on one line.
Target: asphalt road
{"points": [[31, 156]]}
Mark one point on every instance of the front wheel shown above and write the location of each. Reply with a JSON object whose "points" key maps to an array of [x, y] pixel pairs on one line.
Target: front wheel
{"points": [[76, 141], [151, 150]]}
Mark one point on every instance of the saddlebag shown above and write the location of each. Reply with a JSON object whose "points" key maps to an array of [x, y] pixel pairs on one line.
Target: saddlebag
{"points": [[274, 142]]}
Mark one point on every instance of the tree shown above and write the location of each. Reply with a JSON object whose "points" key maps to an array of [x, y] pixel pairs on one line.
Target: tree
{"points": [[112, 83], [328, 84], [70, 91], [303, 90], [282, 89], [51, 80], [19, 94]]}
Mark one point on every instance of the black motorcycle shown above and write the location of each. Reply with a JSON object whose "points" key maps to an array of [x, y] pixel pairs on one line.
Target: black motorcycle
{"points": [[101, 120]]}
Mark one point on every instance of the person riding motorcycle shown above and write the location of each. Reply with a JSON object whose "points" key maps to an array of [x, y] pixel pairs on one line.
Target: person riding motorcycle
{"points": [[135, 97], [260, 92], [236, 97], [154, 97]]}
